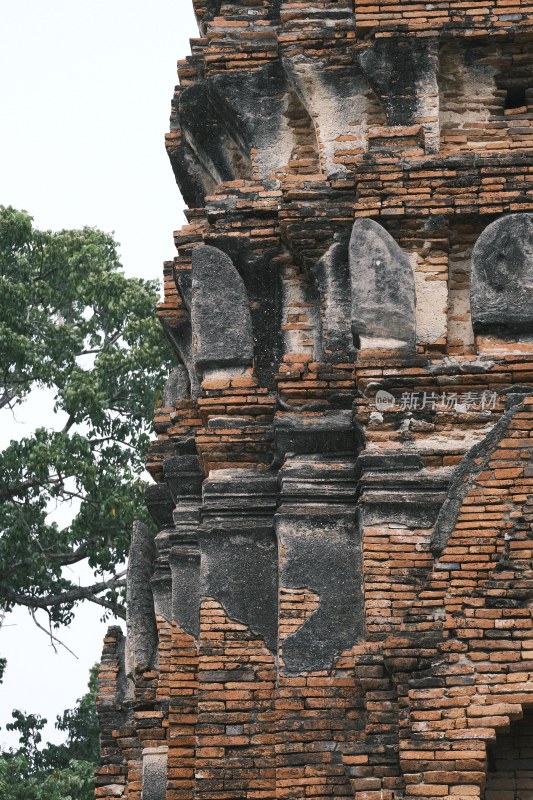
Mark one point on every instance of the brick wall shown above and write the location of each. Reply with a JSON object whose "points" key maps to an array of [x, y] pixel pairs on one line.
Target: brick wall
{"points": [[342, 570]]}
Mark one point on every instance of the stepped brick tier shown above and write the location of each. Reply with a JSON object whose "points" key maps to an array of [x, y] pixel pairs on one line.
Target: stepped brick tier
{"points": [[339, 600]]}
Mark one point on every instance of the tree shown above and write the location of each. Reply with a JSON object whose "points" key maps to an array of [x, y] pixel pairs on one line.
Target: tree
{"points": [[74, 783], [71, 323], [82, 729], [55, 772]]}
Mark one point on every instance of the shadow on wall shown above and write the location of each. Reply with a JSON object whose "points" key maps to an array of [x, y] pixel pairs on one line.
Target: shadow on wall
{"points": [[510, 762]]}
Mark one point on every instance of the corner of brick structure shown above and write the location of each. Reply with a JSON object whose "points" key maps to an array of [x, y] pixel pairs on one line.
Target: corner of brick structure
{"points": [[338, 602]]}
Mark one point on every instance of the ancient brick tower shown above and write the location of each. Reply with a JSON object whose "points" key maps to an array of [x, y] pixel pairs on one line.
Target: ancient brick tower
{"points": [[339, 601]]}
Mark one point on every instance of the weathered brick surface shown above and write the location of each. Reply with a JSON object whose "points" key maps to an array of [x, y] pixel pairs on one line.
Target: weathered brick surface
{"points": [[343, 577], [475, 18]]}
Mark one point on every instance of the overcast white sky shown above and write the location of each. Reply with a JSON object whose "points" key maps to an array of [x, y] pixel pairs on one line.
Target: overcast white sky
{"points": [[84, 104]]}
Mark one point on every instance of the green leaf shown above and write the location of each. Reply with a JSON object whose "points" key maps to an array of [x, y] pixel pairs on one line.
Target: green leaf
{"points": [[72, 322], [54, 772]]}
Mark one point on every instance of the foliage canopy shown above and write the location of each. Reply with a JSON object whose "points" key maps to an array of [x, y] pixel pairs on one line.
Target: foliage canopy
{"points": [[53, 772], [73, 324]]}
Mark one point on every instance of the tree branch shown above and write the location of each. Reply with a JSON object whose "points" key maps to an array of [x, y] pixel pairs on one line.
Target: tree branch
{"points": [[71, 596], [7, 398], [65, 559], [66, 493], [107, 343], [53, 639], [68, 424], [15, 489], [112, 439]]}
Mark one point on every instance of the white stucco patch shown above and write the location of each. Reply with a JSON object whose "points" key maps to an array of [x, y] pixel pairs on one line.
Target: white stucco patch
{"points": [[460, 322], [431, 308]]}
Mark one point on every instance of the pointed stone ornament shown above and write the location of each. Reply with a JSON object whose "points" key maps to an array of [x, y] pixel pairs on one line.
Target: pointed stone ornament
{"points": [[332, 278], [177, 387], [501, 289], [383, 289], [140, 613], [220, 312]]}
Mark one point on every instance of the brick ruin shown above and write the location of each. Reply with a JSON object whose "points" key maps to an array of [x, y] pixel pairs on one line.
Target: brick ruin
{"points": [[339, 600]]}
